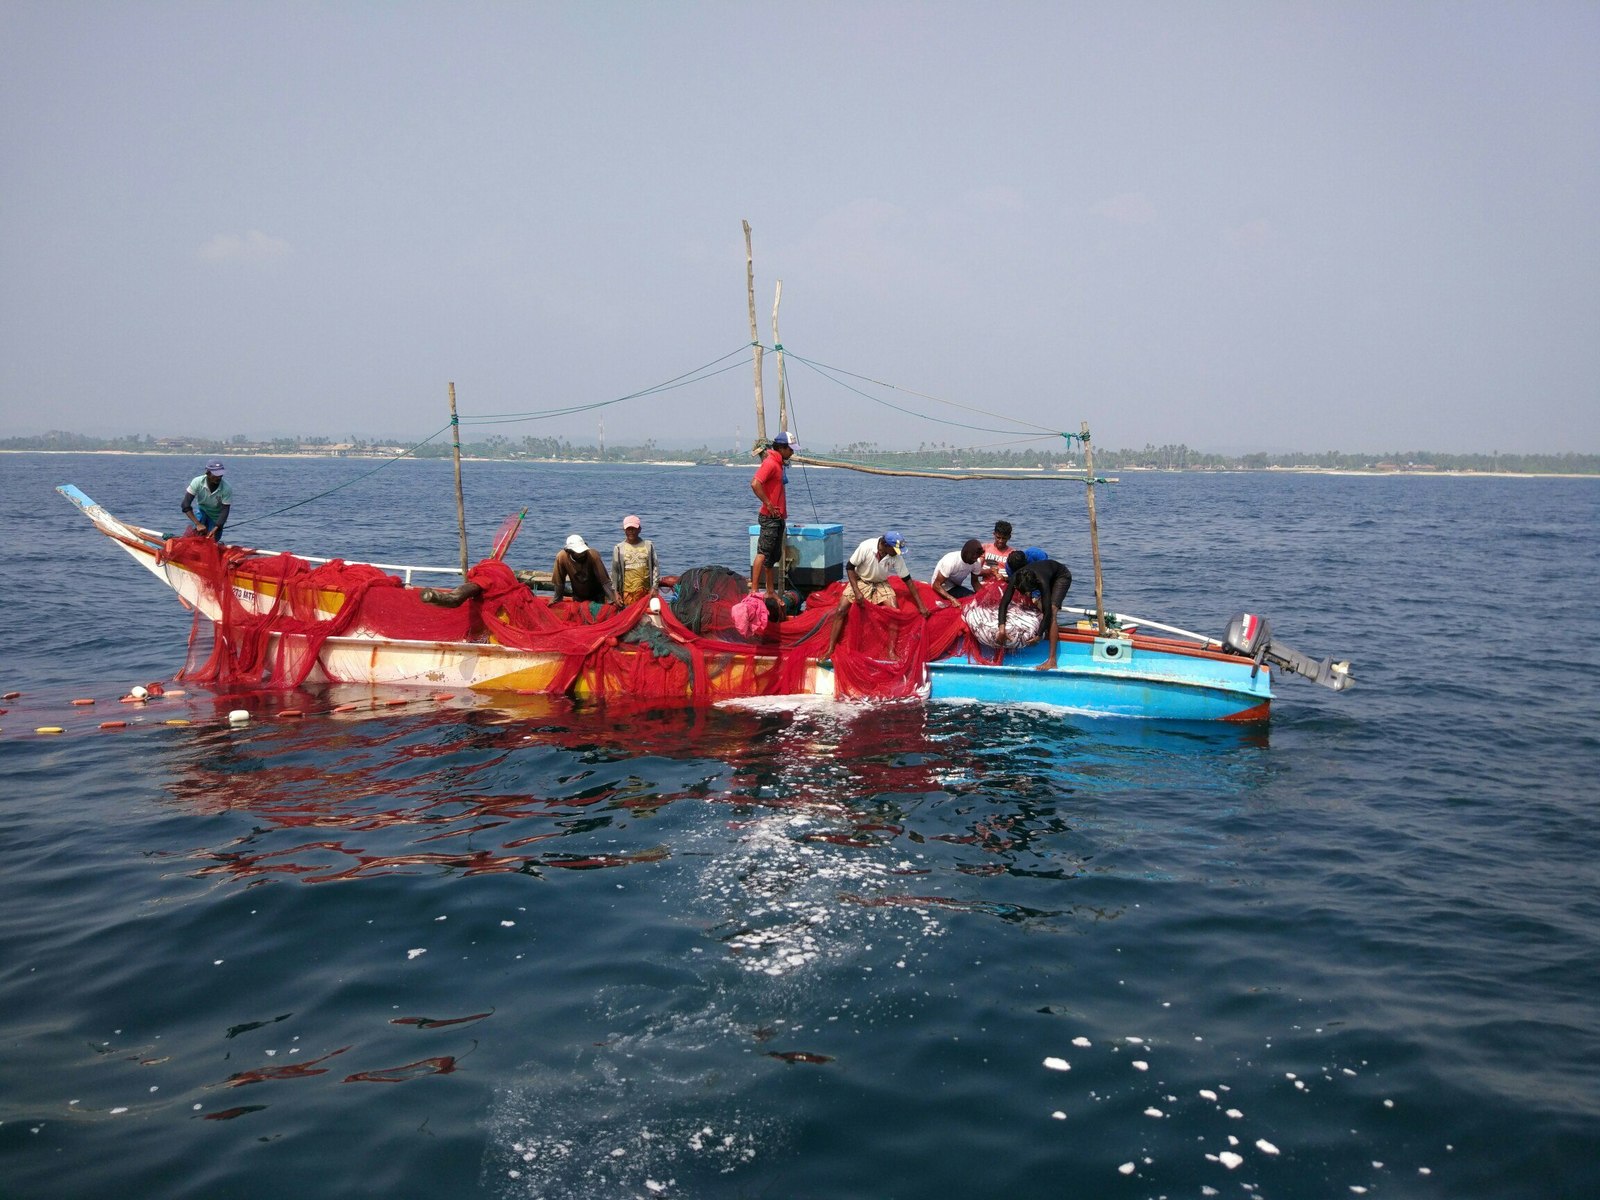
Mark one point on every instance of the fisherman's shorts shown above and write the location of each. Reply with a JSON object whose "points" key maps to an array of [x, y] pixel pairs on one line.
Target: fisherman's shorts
{"points": [[870, 593], [769, 543]]}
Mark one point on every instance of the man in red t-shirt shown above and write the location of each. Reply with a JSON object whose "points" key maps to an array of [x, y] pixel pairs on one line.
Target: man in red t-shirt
{"points": [[996, 552], [768, 485]]}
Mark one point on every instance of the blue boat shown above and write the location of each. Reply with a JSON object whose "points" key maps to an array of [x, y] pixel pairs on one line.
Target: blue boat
{"points": [[1126, 674], [1114, 665]]}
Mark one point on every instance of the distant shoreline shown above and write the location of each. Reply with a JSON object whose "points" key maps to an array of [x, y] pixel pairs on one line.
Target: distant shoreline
{"points": [[681, 463], [365, 458]]}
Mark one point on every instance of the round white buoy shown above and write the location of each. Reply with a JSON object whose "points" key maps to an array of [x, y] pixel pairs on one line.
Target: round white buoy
{"points": [[137, 692], [239, 716]]}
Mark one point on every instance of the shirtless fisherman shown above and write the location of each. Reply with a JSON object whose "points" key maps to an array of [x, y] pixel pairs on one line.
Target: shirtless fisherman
{"points": [[1047, 579]]}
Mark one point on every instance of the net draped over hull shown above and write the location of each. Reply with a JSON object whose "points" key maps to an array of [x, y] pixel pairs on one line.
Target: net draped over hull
{"points": [[276, 612]]}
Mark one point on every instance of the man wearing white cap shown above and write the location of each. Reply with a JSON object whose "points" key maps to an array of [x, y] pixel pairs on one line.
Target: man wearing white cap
{"points": [[206, 501], [581, 568], [769, 485]]}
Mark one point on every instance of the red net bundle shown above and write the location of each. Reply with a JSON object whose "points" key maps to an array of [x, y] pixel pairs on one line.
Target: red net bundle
{"points": [[275, 614]]}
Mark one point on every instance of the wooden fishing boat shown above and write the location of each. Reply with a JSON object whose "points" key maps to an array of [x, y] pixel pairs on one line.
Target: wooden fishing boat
{"points": [[362, 654]]}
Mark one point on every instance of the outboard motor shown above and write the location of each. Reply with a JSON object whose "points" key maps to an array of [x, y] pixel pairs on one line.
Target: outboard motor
{"points": [[1251, 636]]}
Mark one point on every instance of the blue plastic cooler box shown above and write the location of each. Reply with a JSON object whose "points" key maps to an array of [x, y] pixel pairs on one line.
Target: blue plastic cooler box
{"points": [[820, 550]]}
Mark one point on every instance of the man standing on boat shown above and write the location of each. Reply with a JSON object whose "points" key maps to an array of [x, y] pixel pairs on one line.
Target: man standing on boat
{"points": [[867, 581], [206, 501], [634, 570], [770, 486], [1049, 580], [578, 569]]}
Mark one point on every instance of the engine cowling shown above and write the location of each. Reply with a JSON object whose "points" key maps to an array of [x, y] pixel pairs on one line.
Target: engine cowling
{"points": [[1248, 634]]}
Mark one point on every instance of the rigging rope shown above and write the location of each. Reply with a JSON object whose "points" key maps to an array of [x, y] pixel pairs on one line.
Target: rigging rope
{"points": [[697, 375], [824, 370], [339, 487], [721, 365]]}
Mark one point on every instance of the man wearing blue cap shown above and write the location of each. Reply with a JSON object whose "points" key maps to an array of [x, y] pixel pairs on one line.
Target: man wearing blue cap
{"points": [[867, 581], [206, 501]]}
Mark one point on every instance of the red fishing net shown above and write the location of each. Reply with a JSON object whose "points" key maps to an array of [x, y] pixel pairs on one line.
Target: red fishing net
{"points": [[277, 612]]}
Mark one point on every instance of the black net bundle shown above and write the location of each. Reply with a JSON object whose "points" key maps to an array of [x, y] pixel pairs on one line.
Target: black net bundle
{"points": [[704, 600]]}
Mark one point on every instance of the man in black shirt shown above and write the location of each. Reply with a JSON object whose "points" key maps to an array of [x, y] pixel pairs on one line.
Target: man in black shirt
{"points": [[580, 569], [1046, 578]]}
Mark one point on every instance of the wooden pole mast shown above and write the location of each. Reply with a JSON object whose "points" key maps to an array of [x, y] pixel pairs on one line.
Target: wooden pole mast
{"points": [[1094, 531], [755, 336], [777, 346], [781, 575], [461, 504]]}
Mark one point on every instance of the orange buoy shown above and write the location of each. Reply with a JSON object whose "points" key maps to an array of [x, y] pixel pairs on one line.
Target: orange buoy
{"points": [[394, 701], [290, 712], [444, 696], [113, 724], [176, 692], [85, 700], [343, 708]]}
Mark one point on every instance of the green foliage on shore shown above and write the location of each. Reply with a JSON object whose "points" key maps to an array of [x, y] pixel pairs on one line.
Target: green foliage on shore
{"points": [[936, 457]]}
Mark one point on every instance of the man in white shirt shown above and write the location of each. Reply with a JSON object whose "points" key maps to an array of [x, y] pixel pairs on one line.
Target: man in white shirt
{"points": [[954, 576], [867, 581]]}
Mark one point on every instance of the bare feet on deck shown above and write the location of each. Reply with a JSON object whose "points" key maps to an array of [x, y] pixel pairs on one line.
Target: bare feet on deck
{"points": [[1046, 666]]}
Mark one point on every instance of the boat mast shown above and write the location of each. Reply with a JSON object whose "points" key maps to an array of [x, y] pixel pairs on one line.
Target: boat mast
{"points": [[1094, 531], [777, 346], [781, 575], [461, 504], [755, 335]]}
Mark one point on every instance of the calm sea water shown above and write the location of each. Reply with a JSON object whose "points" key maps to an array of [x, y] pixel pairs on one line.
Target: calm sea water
{"points": [[518, 949]]}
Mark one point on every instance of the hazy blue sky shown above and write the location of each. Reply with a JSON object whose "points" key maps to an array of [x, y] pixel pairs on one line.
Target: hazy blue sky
{"points": [[1355, 226]]}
